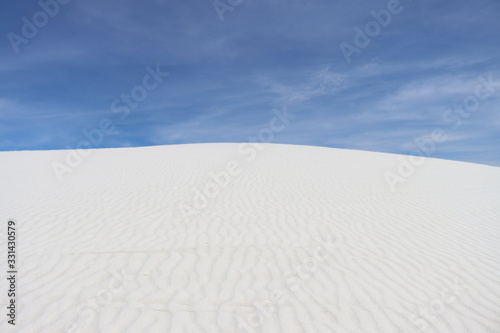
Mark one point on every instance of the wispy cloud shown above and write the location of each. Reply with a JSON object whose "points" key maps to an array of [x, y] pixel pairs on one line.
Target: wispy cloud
{"points": [[319, 83]]}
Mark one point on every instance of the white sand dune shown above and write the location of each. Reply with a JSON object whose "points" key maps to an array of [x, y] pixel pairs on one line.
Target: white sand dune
{"points": [[300, 239]]}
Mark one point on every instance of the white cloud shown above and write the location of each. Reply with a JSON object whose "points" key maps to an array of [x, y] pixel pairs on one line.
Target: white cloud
{"points": [[319, 83]]}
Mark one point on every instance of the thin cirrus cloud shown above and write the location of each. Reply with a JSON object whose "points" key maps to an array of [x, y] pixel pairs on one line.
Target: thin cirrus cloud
{"points": [[227, 76]]}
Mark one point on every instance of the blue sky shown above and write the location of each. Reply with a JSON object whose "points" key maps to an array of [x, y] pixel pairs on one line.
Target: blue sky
{"points": [[226, 76]]}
